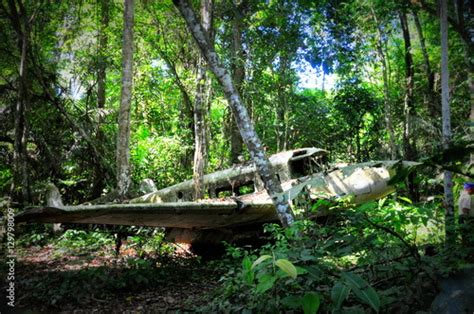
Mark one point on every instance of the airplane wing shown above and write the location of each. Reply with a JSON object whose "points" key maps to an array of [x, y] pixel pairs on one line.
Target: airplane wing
{"points": [[200, 215], [364, 182]]}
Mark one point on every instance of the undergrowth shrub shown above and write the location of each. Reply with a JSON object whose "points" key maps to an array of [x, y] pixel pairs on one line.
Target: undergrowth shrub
{"points": [[360, 259]]}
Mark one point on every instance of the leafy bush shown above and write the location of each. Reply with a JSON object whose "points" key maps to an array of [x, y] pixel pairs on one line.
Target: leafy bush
{"points": [[359, 259], [148, 241], [82, 242], [35, 235]]}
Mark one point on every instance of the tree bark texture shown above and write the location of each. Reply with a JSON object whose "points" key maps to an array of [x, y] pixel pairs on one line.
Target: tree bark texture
{"points": [[123, 140], [282, 107], [461, 12], [409, 108], [102, 51], [386, 96], [238, 75], [446, 114], [459, 28], [243, 121], [430, 97], [99, 178], [200, 112], [21, 24]]}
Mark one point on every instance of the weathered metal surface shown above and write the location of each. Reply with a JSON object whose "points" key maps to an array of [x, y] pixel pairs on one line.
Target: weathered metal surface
{"points": [[288, 165], [200, 215], [169, 208], [364, 181]]}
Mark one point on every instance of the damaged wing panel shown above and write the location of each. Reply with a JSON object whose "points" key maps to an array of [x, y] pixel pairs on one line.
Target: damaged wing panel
{"points": [[245, 201]]}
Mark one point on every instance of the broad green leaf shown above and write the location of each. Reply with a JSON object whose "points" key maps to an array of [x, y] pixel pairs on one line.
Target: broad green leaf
{"points": [[248, 277], [247, 271], [306, 255], [313, 271], [354, 280], [339, 293], [265, 283], [362, 290], [311, 302], [292, 301], [287, 267], [260, 259], [246, 263], [301, 270]]}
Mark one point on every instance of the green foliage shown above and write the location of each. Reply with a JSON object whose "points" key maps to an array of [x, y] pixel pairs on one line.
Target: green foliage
{"points": [[5, 177], [82, 242], [71, 139], [149, 241], [35, 235], [363, 258], [156, 158]]}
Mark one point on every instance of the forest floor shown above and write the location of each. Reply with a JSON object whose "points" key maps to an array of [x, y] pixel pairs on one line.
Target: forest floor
{"points": [[49, 280]]}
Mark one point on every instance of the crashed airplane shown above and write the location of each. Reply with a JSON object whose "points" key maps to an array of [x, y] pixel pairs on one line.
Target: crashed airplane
{"points": [[236, 197]]}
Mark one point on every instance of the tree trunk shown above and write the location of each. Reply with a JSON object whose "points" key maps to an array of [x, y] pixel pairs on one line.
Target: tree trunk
{"points": [[460, 28], [99, 178], [21, 185], [238, 75], [200, 127], [186, 116], [448, 184], [386, 95], [409, 108], [242, 118], [102, 51], [123, 141], [430, 97], [468, 50]]}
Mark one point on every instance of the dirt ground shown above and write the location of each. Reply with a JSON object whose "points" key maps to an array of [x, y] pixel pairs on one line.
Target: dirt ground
{"points": [[101, 282]]}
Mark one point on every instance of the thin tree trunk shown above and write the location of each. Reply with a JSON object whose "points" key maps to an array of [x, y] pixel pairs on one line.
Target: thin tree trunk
{"points": [[102, 51], [99, 182], [430, 98], [461, 29], [409, 108], [460, 11], [123, 140], [200, 127], [386, 95], [243, 121], [238, 75], [21, 185], [186, 111], [448, 184]]}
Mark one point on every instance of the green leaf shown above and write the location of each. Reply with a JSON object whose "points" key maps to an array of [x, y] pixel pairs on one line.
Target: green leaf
{"points": [[292, 302], [405, 199], [248, 277], [286, 266], [301, 270], [306, 255], [339, 293], [265, 283], [313, 271], [311, 302], [260, 259], [362, 290], [246, 263], [247, 271]]}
